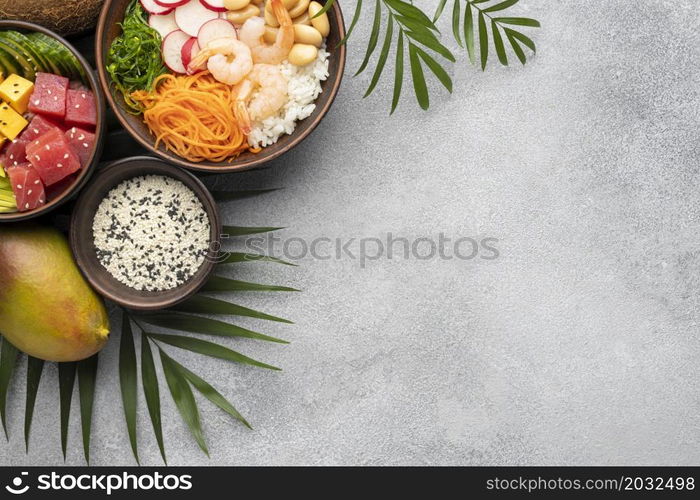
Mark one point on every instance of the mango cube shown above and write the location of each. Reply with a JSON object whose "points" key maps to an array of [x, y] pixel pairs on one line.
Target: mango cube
{"points": [[11, 122], [17, 91]]}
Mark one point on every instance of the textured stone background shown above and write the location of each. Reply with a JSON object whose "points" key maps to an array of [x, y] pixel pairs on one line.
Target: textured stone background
{"points": [[579, 345]]}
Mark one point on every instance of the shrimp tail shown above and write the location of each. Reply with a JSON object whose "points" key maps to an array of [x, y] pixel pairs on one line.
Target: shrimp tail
{"points": [[199, 61], [281, 13], [243, 117]]}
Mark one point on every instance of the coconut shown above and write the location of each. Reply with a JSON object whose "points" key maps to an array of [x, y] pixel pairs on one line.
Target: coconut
{"points": [[67, 17]]}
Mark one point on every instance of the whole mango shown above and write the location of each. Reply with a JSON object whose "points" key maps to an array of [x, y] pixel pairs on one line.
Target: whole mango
{"points": [[46, 307]]}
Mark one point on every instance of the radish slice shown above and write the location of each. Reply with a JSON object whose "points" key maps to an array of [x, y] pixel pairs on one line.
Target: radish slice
{"points": [[152, 7], [191, 16], [172, 50], [215, 5], [216, 28], [163, 24], [189, 50], [171, 4]]}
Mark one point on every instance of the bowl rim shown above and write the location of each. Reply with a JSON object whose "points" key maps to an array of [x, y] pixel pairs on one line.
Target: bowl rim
{"points": [[340, 53], [78, 242], [100, 127]]}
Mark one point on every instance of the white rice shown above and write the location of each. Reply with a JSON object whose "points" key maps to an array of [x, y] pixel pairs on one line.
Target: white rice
{"points": [[304, 87]]}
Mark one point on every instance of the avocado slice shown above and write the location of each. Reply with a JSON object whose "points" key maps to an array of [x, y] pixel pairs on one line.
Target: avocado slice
{"points": [[21, 41], [28, 70]]}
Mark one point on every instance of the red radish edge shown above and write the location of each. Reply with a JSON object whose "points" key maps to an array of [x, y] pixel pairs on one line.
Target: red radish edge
{"points": [[190, 17], [171, 4], [216, 28], [215, 5], [186, 51], [172, 50], [152, 7]]}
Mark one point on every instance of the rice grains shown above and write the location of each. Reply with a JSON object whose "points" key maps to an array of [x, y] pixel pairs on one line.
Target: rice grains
{"points": [[151, 233]]}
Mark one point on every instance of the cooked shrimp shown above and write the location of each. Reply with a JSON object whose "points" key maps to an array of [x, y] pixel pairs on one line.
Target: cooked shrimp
{"points": [[253, 30], [227, 59], [271, 95]]}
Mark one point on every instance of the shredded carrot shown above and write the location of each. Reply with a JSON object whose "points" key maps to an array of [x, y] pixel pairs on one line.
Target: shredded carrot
{"points": [[193, 116]]}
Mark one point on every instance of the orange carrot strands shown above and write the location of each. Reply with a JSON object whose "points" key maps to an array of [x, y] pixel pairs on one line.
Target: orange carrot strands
{"points": [[193, 116]]}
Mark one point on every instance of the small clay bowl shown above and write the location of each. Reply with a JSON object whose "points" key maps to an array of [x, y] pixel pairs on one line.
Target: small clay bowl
{"points": [[108, 29], [82, 241], [86, 171]]}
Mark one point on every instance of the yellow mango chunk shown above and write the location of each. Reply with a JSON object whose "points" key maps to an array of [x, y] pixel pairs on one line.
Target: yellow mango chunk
{"points": [[17, 91], [11, 122]]}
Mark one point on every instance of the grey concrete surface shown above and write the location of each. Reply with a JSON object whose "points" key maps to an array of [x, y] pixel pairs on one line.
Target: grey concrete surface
{"points": [[577, 345]]}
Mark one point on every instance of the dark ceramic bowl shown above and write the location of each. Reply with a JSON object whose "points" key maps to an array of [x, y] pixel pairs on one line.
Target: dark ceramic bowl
{"points": [[108, 29], [86, 172], [82, 241]]}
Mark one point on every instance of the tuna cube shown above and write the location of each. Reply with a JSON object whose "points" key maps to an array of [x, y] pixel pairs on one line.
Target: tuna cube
{"points": [[80, 108], [27, 187], [49, 96], [82, 142], [52, 157]]}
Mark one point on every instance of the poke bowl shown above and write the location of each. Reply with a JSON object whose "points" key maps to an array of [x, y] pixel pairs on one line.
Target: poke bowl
{"points": [[52, 121], [221, 85]]}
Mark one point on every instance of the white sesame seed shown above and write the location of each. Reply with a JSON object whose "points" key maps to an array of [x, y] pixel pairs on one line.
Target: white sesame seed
{"points": [[59, 165], [86, 145], [66, 156], [29, 192], [77, 106], [26, 205], [37, 181], [37, 102], [19, 186]]}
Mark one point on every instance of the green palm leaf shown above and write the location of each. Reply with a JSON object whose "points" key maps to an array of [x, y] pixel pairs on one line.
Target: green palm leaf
{"points": [[373, 38], [518, 21], [66, 381], [498, 44], [210, 393], [149, 380], [501, 6], [203, 326], [239, 257], [35, 367], [456, 21], [437, 70], [184, 399], [8, 360], [87, 375], [208, 349], [469, 32], [398, 74], [201, 304], [128, 381], [419, 85], [232, 231], [439, 10], [221, 284], [353, 23], [483, 40], [525, 40], [383, 55]]}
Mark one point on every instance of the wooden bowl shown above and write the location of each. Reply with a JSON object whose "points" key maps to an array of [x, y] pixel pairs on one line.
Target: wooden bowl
{"points": [[108, 29], [87, 171], [83, 246]]}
